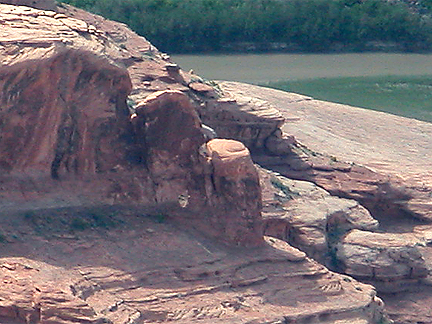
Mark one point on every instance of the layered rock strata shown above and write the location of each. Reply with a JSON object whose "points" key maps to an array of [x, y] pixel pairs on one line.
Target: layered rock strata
{"points": [[69, 138], [147, 271], [389, 178], [59, 114], [352, 162], [216, 180], [92, 146], [245, 119], [391, 261], [308, 217]]}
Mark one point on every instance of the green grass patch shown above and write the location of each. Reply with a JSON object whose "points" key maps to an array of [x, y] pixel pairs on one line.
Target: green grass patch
{"points": [[3, 238], [70, 220], [408, 96], [95, 219]]}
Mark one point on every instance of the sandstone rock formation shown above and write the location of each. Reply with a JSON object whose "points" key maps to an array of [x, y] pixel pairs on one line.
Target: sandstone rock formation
{"points": [[389, 178], [234, 191], [168, 132], [308, 217], [98, 131], [56, 135], [393, 176], [216, 180], [392, 261], [244, 119], [58, 113], [65, 122], [247, 119], [150, 272]]}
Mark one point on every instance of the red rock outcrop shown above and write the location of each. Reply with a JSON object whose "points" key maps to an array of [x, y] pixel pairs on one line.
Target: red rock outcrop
{"points": [[388, 177], [60, 137], [216, 181], [169, 131], [234, 191], [69, 139], [245, 119], [65, 122], [60, 115], [144, 271]]}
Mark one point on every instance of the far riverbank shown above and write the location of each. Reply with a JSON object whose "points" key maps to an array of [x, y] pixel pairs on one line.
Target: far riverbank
{"points": [[400, 84], [262, 68]]}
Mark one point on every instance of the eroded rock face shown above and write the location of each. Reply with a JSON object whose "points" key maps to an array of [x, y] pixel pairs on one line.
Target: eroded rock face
{"points": [[86, 148], [169, 131], [235, 193], [66, 136], [78, 129], [41, 32], [69, 139], [149, 272], [307, 216], [243, 119], [391, 261], [216, 182], [60, 115]]}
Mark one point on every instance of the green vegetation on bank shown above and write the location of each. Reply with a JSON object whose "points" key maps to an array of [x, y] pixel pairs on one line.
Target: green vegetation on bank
{"points": [[409, 96], [179, 26]]}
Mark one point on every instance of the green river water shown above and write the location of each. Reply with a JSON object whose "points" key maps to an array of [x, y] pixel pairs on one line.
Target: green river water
{"points": [[396, 83]]}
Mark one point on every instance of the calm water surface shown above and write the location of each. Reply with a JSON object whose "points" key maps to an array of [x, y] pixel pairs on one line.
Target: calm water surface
{"points": [[262, 68]]}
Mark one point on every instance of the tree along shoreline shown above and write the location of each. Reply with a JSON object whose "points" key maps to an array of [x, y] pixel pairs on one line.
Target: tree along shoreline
{"points": [[283, 48], [312, 26]]}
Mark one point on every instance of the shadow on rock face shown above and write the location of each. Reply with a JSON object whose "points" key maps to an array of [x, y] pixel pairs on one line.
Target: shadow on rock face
{"points": [[59, 114]]}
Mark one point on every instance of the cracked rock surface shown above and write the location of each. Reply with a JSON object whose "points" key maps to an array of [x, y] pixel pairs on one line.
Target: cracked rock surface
{"points": [[146, 271], [379, 160]]}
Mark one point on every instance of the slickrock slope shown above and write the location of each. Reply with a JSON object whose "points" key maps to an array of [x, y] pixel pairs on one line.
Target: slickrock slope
{"points": [[379, 160], [382, 154], [151, 272]]}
